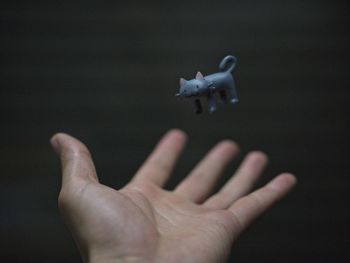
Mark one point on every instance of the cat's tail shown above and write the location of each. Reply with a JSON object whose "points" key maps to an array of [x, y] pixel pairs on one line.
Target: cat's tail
{"points": [[228, 63]]}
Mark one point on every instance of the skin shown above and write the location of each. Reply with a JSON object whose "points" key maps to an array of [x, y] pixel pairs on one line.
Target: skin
{"points": [[142, 222]]}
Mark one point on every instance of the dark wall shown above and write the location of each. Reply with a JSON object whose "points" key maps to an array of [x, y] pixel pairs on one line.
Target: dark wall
{"points": [[106, 72]]}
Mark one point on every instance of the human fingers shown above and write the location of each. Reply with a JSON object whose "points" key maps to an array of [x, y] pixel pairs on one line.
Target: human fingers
{"points": [[76, 161], [241, 183], [248, 208], [160, 163], [199, 184]]}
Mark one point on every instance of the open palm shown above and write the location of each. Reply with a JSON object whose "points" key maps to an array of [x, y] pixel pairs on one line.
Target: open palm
{"points": [[144, 223]]}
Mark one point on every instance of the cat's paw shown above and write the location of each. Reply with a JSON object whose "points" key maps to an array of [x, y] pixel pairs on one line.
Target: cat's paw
{"points": [[212, 109], [234, 101]]}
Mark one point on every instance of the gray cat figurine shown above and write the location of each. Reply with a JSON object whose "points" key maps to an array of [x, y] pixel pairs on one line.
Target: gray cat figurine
{"points": [[206, 86]]}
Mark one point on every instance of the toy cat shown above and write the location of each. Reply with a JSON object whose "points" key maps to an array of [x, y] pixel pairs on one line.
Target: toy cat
{"points": [[206, 86]]}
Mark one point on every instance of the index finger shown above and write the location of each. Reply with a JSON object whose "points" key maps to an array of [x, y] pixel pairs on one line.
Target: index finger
{"points": [[160, 163]]}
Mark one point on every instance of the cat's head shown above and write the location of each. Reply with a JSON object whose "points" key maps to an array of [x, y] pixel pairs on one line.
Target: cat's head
{"points": [[193, 87]]}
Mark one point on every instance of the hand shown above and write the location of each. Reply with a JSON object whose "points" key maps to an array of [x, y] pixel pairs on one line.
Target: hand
{"points": [[143, 222]]}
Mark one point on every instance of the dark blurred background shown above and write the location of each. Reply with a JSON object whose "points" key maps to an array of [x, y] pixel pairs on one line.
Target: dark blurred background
{"points": [[107, 71]]}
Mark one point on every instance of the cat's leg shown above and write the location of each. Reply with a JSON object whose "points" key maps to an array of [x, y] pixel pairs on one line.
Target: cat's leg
{"points": [[211, 102], [198, 106], [223, 96], [232, 93]]}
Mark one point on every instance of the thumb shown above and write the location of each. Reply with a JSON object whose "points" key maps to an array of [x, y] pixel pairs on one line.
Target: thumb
{"points": [[77, 164]]}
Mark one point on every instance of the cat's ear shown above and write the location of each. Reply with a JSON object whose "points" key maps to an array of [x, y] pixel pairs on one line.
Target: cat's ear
{"points": [[182, 82], [199, 76]]}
